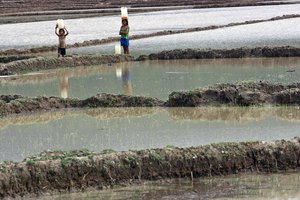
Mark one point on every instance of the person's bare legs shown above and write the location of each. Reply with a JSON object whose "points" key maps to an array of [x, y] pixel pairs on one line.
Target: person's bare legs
{"points": [[126, 50]]}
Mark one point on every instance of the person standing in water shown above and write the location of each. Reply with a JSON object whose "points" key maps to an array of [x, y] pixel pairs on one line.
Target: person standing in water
{"points": [[62, 45], [124, 32]]}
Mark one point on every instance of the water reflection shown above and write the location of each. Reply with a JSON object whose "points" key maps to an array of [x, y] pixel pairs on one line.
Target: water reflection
{"points": [[122, 129], [235, 114], [123, 72], [64, 87], [254, 187], [152, 78]]}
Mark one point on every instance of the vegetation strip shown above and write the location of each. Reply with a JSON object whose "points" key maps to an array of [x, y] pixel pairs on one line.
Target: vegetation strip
{"points": [[244, 94], [142, 36], [60, 171]]}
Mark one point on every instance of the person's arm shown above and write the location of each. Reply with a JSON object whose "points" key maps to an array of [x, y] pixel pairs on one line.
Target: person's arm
{"points": [[56, 30], [125, 32], [67, 32], [120, 32]]}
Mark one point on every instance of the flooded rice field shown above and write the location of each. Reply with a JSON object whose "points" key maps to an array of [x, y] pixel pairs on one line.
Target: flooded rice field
{"points": [[151, 78], [22, 36], [273, 33], [122, 129], [246, 187]]}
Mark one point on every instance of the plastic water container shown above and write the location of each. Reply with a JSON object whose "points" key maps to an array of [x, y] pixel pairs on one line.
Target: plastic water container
{"points": [[124, 12], [117, 49], [60, 24]]}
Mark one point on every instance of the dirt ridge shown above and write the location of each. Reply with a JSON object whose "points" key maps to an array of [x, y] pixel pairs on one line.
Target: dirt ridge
{"points": [[240, 94], [44, 63], [52, 172], [244, 52]]}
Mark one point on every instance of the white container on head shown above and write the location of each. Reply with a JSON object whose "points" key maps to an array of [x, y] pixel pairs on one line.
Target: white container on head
{"points": [[60, 24], [124, 12], [117, 49]]}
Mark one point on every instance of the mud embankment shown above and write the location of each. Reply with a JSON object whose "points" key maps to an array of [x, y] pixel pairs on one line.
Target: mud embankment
{"points": [[10, 104], [42, 63], [7, 59], [53, 172], [141, 36], [285, 51], [244, 94]]}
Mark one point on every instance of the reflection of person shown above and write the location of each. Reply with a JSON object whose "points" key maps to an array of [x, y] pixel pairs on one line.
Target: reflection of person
{"points": [[126, 80], [64, 87], [62, 45], [124, 32]]}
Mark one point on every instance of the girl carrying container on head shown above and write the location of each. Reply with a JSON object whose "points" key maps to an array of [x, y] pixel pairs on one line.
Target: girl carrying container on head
{"points": [[124, 32], [62, 44]]}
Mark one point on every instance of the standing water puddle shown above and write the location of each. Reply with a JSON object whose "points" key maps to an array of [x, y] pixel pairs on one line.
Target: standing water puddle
{"points": [[122, 129], [151, 78]]}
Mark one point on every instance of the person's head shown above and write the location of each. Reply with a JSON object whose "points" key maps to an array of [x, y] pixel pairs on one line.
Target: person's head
{"points": [[61, 32], [124, 22]]}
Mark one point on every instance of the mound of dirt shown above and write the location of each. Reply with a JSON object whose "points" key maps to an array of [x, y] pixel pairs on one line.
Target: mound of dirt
{"points": [[285, 51], [10, 104], [60, 171], [244, 94]]}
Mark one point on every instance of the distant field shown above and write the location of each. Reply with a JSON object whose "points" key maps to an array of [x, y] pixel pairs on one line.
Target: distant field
{"points": [[20, 6]]}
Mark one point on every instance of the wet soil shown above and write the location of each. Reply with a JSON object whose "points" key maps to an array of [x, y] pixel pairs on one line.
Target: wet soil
{"points": [[43, 63], [52, 172], [37, 50], [285, 51]]}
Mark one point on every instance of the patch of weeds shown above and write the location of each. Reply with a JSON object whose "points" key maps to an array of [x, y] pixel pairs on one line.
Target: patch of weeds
{"points": [[30, 162], [3, 169], [110, 163], [130, 162], [170, 147], [108, 151], [8, 162], [91, 158], [66, 161], [156, 157]]}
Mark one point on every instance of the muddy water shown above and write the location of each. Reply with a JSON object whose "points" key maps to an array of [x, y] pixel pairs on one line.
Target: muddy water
{"points": [[154, 78], [23, 35], [122, 129], [247, 187], [274, 33]]}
